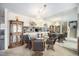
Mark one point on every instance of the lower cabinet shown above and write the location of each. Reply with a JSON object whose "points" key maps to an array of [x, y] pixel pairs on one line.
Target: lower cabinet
{"points": [[2, 39]]}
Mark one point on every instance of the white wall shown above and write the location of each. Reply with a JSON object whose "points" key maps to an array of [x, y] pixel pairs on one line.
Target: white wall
{"points": [[10, 15], [68, 15]]}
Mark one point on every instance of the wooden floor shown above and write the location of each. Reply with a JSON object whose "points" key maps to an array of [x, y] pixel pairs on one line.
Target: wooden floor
{"points": [[22, 51]]}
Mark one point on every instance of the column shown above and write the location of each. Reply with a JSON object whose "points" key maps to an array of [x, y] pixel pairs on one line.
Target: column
{"points": [[68, 30], [61, 27], [6, 29], [78, 28], [77, 21]]}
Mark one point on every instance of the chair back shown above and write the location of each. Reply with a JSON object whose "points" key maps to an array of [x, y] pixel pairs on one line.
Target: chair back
{"points": [[25, 38], [52, 38], [54, 41], [38, 45]]}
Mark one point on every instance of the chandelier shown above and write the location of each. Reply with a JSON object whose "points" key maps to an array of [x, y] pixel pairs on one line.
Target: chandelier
{"points": [[38, 20], [42, 10]]}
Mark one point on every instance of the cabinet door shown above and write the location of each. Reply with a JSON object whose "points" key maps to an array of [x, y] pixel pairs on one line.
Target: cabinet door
{"points": [[19, 28], [1, 39], [57, 29], [14, 28], [1, 44]]}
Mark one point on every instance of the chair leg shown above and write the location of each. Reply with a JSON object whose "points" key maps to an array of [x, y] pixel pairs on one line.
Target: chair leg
{"points": [[26, 46], [53, 48], [48, 46]]}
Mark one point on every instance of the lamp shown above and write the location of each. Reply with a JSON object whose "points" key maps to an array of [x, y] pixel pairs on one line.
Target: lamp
{"points": [[57, 24], [41, 12], [16, 18]]}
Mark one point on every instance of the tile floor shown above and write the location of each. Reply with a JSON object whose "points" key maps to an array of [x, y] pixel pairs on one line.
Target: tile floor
{"points": [[22, 51]]}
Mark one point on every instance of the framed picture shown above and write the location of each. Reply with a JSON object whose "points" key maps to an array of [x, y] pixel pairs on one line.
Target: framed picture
{"points": [[73, 28], [73, 24]]}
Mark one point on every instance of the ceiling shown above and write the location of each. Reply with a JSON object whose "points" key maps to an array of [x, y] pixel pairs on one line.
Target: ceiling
{"points": [[31, 9]]}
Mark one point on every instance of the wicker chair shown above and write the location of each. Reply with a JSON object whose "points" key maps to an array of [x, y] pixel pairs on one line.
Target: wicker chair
{"points": [[38, 47], [61, 38], [51, 41], [26, 39]]}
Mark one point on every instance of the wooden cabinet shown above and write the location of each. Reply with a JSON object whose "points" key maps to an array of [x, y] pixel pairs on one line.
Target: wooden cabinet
{"points": [[16, 29], [51, 28]]}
